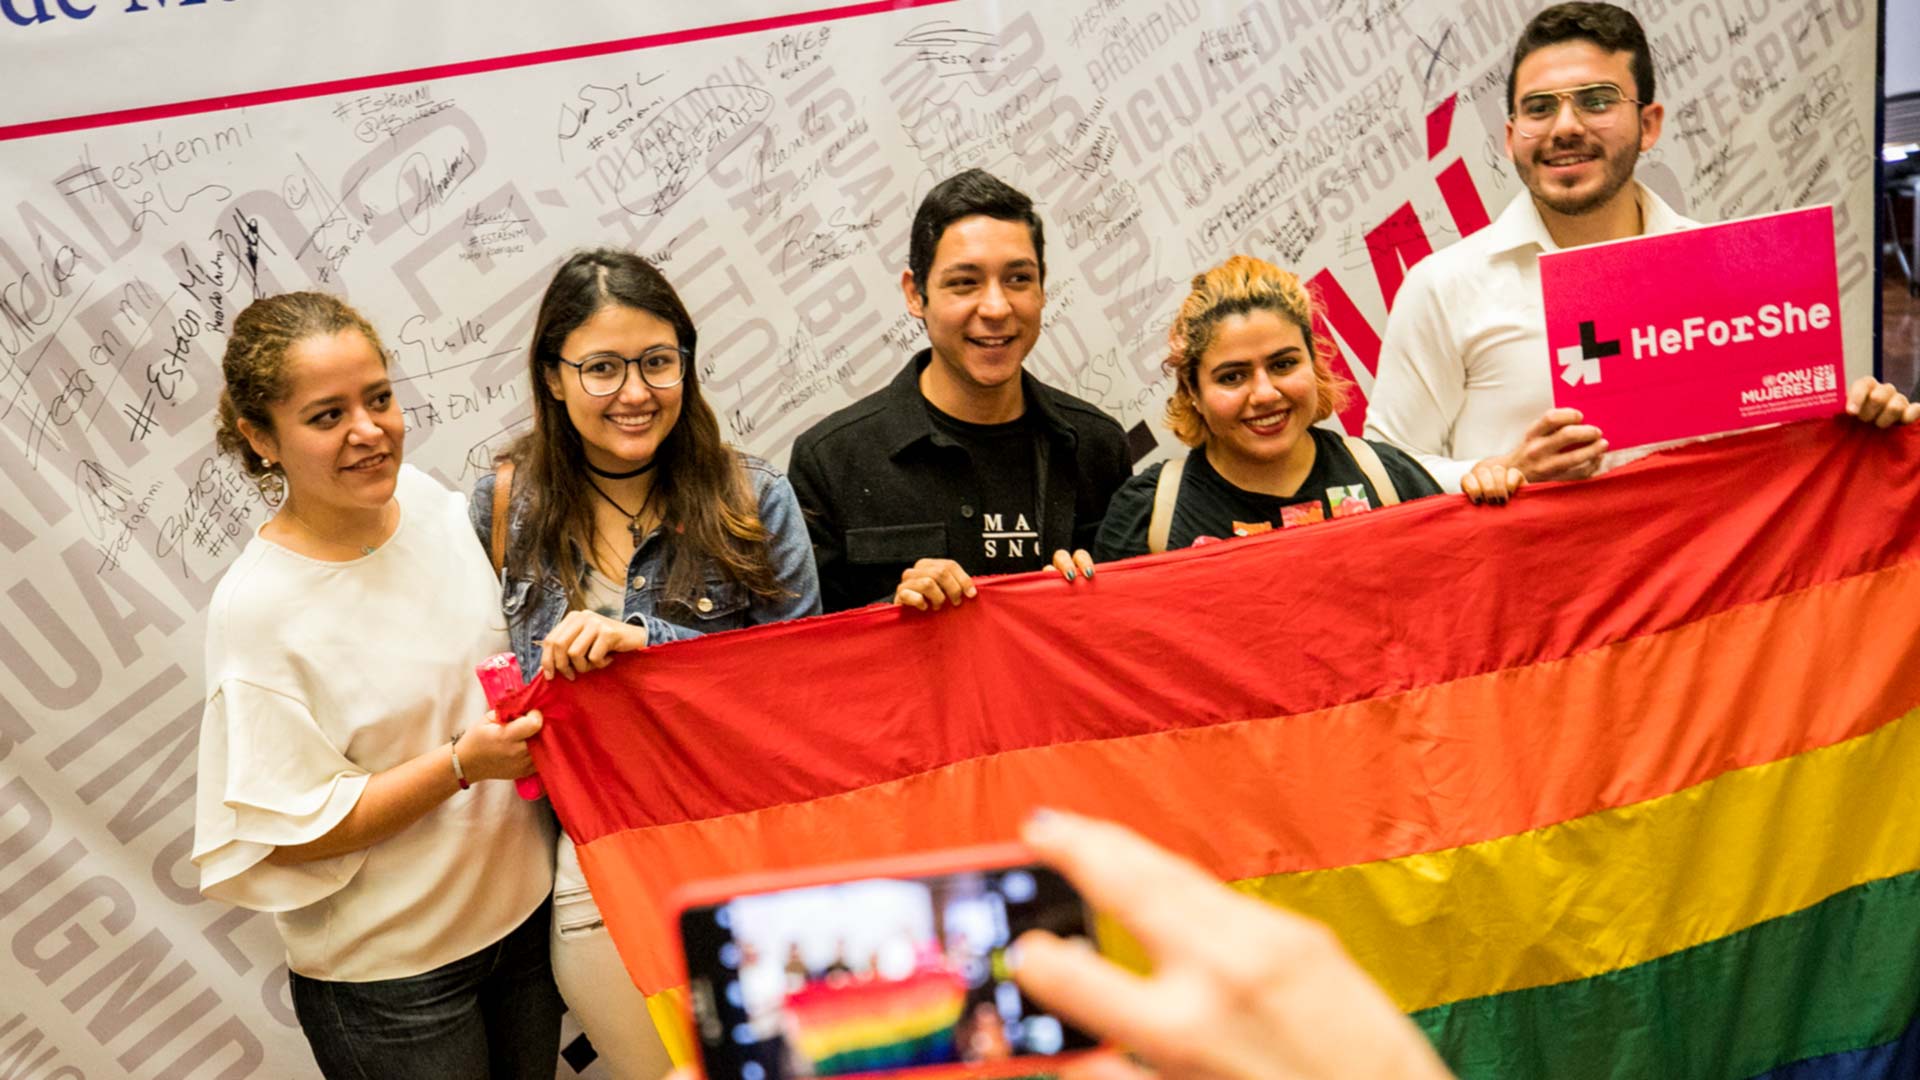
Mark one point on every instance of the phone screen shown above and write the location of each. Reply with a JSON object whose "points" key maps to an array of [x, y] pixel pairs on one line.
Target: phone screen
{"points": [[875, 974]]}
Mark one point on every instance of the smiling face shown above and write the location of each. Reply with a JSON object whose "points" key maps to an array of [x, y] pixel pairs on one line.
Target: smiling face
{"points": [[1256, 393], [1573, 168], [982, 309], [624, 429], [338, 433]]}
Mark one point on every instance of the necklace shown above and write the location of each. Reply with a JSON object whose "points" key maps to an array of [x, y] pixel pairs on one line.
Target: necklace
{"points": [[632, 516], [598, 471], [365, 549]]}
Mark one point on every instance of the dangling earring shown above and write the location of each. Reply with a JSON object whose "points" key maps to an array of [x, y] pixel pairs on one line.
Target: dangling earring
{"points": [[272, 486]]}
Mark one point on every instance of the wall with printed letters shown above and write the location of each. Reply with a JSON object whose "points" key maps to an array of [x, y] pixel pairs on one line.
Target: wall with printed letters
{"points": [[163, 164]]}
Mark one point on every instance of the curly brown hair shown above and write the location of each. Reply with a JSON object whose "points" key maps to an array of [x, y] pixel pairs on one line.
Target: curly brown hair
{"points": [[255, 369], [1236, 287]]}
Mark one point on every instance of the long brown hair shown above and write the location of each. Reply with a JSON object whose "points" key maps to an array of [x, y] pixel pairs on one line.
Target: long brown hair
{"points": [[708, 511]]}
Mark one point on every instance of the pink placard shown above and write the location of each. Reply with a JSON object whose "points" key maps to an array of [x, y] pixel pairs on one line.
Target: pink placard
{"points": [[1704, 330]]}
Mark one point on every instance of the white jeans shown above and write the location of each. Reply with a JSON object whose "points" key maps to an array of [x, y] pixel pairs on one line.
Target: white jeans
{"points": [[598, 991]]}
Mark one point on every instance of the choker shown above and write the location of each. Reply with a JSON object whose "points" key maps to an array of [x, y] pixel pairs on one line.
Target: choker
{"points": [[598, 471]]}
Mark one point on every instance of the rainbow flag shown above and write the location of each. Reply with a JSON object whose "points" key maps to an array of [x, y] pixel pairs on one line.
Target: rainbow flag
{"points": [[1620, 780], [867, 1026]]}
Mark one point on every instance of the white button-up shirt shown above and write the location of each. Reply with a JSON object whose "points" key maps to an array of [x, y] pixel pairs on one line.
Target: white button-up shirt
{"points": [[1464, 366]]}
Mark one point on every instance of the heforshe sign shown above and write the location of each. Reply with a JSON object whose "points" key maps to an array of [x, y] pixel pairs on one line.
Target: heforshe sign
{"points": [[1704, 330]]}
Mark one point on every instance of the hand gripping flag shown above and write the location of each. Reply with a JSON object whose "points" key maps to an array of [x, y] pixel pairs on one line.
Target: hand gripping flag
{"points": [[1617, 780]]}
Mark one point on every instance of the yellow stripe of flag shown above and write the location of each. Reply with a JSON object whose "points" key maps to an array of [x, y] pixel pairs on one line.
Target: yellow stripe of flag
{"points": [[1621, 887]]}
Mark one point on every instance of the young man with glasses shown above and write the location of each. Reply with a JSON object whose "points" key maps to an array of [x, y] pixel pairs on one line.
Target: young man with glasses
{"points": [[964, 462], [1464, 384]]}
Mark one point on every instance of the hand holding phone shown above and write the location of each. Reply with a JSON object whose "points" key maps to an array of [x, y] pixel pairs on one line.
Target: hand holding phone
{"points": [[877, 968], [1239, 987]]}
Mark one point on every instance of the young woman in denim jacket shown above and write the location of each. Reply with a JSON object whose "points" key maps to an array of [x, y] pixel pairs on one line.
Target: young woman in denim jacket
{"points": [[631, 523]]}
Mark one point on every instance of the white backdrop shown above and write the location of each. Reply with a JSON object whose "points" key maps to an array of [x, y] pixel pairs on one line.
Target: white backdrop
{"points": [[771, 169]]}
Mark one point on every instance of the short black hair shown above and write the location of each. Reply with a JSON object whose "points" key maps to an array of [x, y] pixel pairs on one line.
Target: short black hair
{"points": [[1612, 28], [975, 191]]}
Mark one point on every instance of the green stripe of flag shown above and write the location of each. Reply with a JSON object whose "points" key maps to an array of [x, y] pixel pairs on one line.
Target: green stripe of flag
{"points": [[1840, 975]]}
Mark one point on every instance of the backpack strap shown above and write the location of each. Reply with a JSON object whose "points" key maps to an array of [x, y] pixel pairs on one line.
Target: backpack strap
{"points": [[1165, 494], [1368, 459], [502, 492]]}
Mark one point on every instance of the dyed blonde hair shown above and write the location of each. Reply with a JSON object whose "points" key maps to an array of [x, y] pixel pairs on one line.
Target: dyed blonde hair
{"points": [[255, 369], [1238, 286]]}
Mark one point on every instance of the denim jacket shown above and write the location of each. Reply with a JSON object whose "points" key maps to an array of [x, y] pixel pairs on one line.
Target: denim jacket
{"points": [[534, 601]]}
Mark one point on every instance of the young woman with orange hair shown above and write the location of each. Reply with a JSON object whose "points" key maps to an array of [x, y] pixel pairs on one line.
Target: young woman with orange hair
{"points": [[1250, 384]]}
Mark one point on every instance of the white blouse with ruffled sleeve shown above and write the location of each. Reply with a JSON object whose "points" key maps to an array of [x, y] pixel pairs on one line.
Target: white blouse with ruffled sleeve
{"points": [[320, 674]]}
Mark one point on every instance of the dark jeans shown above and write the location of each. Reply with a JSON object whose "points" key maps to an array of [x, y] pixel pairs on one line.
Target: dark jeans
{"points": [[494, 1015]]}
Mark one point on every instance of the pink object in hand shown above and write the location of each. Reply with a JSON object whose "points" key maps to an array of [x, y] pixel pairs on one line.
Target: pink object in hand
{"points": [[499, 676]]}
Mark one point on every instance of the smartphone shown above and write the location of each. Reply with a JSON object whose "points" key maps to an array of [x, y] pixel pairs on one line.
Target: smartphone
{"points": [[877, 968]]}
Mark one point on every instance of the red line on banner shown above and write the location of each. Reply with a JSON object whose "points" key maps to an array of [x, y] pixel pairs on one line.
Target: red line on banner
{"points": [[116, 117]]}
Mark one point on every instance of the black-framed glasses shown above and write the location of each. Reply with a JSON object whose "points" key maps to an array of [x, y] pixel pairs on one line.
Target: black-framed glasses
{"points": [[603, 374], [1598, 107]]}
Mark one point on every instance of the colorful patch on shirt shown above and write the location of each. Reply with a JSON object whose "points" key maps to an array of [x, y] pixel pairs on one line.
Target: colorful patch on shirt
{"points": [[1251, 528], [1349, 500], [1302, 514]]}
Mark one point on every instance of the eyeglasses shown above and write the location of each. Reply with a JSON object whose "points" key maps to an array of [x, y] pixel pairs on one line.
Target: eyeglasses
{"points": [[603, 374], [1597, 107]]}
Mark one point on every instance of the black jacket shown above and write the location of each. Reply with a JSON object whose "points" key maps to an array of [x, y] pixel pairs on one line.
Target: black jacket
{"points": [[881, 486]]}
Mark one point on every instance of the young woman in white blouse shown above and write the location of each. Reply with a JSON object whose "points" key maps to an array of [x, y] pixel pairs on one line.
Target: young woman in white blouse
{"points": [[348, 764]]}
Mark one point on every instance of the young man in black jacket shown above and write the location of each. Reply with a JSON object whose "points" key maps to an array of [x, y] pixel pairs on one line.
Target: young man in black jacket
{"points": [[964, 462]]}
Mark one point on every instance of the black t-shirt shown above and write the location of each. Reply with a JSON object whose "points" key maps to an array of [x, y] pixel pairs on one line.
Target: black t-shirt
{"points": [[1002, 535], [1210, 506]]}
